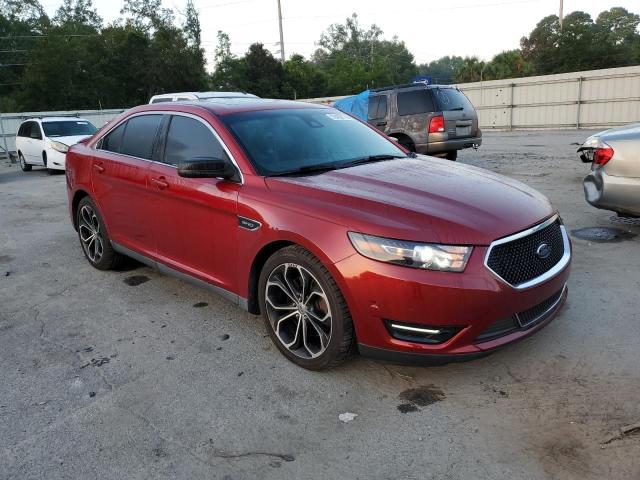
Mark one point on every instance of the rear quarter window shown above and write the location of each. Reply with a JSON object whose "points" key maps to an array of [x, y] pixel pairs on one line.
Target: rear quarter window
{"points": [[451, 99], [414, 102]]}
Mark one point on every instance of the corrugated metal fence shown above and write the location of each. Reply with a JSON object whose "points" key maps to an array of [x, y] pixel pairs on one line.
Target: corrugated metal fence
{"points": [[9, 123], [595, 98]]}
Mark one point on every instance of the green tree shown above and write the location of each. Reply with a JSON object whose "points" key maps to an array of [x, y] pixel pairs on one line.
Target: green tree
{"points": [[148, 14], [79, 12], [192, 24], [470, 70], [442, 70], [302, 79], [509, 64], [263, 72], [354, 59]]}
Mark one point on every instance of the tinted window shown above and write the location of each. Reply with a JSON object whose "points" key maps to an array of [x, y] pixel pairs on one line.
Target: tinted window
{"points": [[139, 136], [25, 130], [377, 107], [451, 99], [161, 100], [188, 138], [373, 107], [113, 141], [414, 101], [68, 128], [382, 107], [284, 140], [36, 133]]}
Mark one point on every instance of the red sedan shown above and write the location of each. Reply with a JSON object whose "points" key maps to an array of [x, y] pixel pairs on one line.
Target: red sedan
{"points": [[330, 230]]}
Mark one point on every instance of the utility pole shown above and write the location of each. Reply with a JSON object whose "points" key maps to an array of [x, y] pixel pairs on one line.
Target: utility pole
{"points": [[561, 13], [281, 34]]}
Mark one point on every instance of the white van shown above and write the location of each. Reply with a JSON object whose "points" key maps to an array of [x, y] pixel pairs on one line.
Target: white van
{"points": [[195, 96], [45, 141]]}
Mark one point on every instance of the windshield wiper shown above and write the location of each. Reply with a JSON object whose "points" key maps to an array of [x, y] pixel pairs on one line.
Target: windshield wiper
{"points": [[371, 159], [305, 170]]}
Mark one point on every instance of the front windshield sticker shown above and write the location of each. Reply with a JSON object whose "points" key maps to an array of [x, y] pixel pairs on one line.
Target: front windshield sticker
{"points": [[338, 116]]}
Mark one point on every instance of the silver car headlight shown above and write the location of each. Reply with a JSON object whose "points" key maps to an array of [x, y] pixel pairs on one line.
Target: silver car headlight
{"points": [[59, 146], [428, 256]]}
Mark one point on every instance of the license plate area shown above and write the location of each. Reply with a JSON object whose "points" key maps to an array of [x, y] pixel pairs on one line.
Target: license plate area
{"points": [[463, 131]]}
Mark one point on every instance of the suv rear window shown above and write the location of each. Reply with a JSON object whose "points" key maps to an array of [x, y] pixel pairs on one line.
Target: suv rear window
{"points": [[451, 99], [414, 101]]}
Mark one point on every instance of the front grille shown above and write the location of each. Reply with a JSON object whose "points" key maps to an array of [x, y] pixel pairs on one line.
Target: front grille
{"points": [[521, 321], [516, 262], [529, 317]]}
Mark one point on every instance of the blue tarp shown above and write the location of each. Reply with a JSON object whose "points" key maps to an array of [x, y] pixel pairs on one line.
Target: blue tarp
{"points": [[357, 105]]}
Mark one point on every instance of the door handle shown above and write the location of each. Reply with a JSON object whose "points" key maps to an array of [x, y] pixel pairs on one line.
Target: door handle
{"points": [[98, 167], [160, 183], [382, 124]]}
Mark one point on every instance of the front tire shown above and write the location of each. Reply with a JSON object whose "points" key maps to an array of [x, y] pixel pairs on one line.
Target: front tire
{"points": [[94, 238], [23, 163], [305, 313]]}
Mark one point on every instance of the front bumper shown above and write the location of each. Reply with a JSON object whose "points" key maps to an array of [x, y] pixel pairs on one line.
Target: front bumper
{"points": [[56, 160], [472, 301], [608, 192]]}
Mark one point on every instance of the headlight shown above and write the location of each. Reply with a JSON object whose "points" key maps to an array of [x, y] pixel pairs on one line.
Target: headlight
{"points": [[429, 256], [59, 147]]}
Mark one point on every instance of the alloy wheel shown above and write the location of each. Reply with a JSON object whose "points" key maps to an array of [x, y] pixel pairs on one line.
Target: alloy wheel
{"points": [[298, 310], [90, 234]]}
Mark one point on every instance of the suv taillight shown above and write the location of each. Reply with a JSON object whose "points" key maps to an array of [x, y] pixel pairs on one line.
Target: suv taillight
{"points": [[436, 125], [602, 155]]}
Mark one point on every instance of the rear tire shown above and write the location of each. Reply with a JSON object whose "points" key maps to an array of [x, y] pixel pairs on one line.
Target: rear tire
{"points": [[453, 155], [94, 238], [304, 311], [23, 163]]}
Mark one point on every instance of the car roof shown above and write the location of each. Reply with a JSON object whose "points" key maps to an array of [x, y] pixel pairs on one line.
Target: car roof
{"points": [[226, 106], [205, 95], [55, 119], [412, 85]]}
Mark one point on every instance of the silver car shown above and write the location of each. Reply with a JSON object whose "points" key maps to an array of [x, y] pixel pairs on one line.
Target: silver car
{"points": [[614, 181]]}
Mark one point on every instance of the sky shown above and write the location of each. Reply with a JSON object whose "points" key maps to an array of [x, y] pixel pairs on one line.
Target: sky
{"points": [[430, 29]]}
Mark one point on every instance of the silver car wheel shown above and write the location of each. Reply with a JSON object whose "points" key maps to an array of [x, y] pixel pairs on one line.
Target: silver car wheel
{"points": [[298, 310], [90, 235]]}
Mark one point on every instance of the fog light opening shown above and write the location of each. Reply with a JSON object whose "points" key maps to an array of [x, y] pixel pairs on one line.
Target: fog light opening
{"points": [[430, 334]]}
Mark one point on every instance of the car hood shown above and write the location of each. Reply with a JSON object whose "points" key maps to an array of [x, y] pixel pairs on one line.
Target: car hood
{"points": [[70, 140], [420, 199]]}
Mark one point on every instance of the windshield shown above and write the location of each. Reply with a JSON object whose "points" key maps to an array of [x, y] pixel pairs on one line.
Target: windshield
{"points": [[279, 141], [451, 99], [67, 128]]}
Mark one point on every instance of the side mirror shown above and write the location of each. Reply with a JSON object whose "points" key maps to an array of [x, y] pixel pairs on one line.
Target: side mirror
{"points": [[208, 167]]}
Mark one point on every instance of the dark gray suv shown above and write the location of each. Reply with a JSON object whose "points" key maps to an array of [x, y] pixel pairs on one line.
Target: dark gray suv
{"points": [[435, 120]]}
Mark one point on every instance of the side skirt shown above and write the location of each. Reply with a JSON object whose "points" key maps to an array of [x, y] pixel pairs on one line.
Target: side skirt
{"points": [[162, 268]]}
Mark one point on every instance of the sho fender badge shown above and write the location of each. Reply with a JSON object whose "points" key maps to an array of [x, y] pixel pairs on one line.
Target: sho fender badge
{"points": [[248, 224]]}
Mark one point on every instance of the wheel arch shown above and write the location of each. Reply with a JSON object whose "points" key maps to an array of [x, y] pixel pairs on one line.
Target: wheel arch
{"points": [[79, 195], [286, 239], [407, 139]]}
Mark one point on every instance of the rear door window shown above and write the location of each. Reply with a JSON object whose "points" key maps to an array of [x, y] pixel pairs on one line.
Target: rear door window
{"points": [[413, 102], [377, 107], [25, 130], [112, 142], [36, 133], [139, 136], [373, 107], [189, 138], [449, 99]]}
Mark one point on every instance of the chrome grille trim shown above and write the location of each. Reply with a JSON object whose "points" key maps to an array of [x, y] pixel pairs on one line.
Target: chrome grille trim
{"points": [[556, 269]]}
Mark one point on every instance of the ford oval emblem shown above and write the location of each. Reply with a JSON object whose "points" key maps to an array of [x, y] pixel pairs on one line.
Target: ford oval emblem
{"points": [[543, 251]]}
